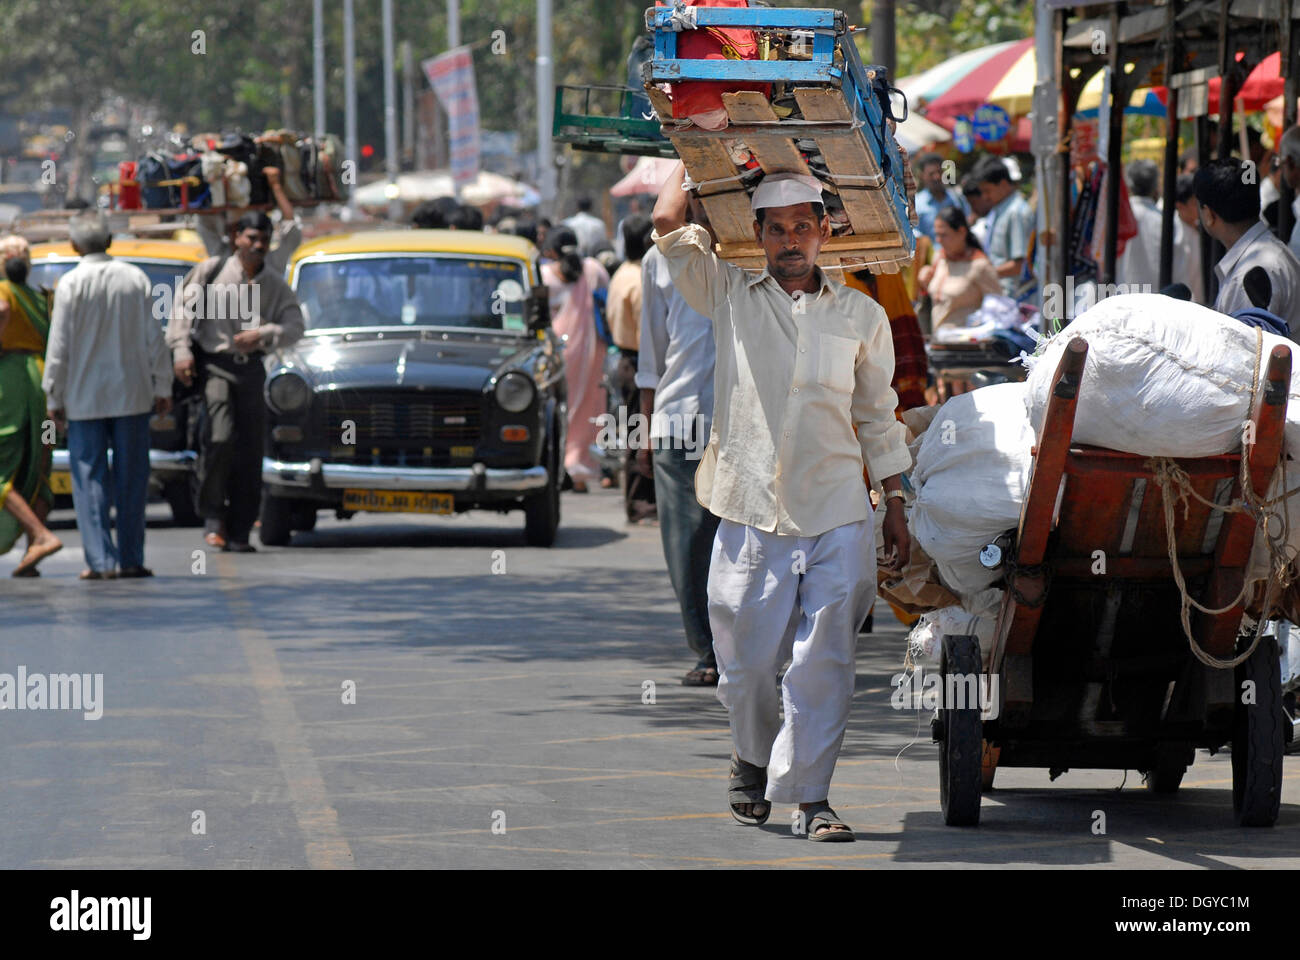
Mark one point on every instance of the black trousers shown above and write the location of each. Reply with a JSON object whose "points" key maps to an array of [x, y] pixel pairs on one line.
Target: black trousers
{"points": [[232, 437]]}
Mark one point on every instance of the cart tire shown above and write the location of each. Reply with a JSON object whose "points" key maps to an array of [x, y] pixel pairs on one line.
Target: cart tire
{"points": [[961, 751], [1257, 739]]}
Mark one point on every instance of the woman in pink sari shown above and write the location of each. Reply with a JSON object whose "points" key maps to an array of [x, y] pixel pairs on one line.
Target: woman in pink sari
{"points": [[572, 280]]}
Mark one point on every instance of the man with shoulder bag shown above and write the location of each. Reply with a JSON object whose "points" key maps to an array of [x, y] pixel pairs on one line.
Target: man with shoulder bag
{"points": [[232, 311]]}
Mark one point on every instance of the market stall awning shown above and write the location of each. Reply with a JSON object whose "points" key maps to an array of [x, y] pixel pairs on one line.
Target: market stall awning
{"points": [[1005, 79], [1263, 84], [928, 86]]}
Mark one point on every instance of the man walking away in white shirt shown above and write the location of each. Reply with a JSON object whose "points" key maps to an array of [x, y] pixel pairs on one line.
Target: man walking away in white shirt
{"points": [[589, 229], [675, 375], [106, 369], [1228, 194], [1139, 265], [801, 364], [1187, 238]]}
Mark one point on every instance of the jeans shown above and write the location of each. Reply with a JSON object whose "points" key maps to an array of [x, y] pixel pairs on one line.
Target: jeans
{"points": [[687, 530], [126, 481]]}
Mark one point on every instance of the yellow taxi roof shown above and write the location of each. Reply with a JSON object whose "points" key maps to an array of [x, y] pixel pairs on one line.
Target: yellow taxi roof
{"points": [[188, 251], [419, 241]]}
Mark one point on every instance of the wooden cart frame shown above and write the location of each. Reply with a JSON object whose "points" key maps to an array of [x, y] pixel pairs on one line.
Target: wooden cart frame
{"points": [[1091, 663]]}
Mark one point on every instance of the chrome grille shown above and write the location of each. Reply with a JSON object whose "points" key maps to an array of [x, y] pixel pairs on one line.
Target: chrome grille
{"points": [[405, 419]]}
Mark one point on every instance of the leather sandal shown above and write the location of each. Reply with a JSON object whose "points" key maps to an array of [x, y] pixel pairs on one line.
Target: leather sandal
{"points": [[823, 815], [746, 786]]}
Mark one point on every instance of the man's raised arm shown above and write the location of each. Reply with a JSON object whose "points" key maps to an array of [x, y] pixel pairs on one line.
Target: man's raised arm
{"points": [[670, 209]]}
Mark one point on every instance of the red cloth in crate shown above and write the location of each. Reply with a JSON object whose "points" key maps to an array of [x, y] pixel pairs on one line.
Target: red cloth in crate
{"points": [[707, 43]]}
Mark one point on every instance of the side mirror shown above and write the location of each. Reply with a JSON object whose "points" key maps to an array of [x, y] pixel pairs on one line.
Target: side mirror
{"points": [[537, 309]]}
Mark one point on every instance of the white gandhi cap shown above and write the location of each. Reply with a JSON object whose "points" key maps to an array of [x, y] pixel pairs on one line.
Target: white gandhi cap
{"points": [[786, 189]]}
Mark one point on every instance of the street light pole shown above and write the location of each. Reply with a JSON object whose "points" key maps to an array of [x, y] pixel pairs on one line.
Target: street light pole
{"points": [[350, 99], [882, 35], [318, 63], [545, 105], [453, 24], [391, 160]]}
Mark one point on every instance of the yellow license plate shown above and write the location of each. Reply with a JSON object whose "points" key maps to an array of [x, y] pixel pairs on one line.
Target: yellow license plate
{"points": [[61, 482], [397, 501]]}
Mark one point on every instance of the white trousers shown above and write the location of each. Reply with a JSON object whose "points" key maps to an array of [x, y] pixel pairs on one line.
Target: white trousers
{"points": [[772, 598]]}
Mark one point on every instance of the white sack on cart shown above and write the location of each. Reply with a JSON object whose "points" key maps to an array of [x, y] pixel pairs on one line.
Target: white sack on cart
{"points": [[971, 477], [1169, 378], [1164, 377]]}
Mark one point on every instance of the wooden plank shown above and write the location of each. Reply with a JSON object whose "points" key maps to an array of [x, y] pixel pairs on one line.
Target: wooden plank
{"points": [[868, 208], [1216, 634], [663, 106], [776, 153], [729, 212], [1019, 623]]}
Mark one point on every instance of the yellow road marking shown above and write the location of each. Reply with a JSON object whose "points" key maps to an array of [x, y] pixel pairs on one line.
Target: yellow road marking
{"points": [[326, 846]]}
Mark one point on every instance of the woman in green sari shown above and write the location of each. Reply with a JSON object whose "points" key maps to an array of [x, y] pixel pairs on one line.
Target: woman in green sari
{"points": [[25, 496]]}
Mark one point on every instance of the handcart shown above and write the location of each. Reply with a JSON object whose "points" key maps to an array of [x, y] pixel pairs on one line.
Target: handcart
{"points": [[1092, 664], [833, 123]]}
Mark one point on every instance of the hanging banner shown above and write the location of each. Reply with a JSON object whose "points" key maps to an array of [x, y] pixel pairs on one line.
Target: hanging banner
{"points": [[452, 77]]}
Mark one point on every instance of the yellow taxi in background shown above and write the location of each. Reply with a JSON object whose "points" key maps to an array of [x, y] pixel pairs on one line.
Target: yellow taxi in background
{"points": [[171, 454]]}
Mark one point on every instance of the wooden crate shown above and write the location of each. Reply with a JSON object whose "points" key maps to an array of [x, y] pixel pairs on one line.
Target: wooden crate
{"points": [[842, 113]]}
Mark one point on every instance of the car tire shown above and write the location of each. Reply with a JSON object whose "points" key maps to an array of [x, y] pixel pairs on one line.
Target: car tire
{"points": [[542, 511], [277, 513], [180, 497], [303, 515]]}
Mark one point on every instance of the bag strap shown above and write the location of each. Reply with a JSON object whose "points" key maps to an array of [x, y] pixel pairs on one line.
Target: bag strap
{"points": [[208, 280]]}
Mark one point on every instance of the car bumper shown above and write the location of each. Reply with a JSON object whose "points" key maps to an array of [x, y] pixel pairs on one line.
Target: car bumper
{"points": [[315, 475], [163, 464]]}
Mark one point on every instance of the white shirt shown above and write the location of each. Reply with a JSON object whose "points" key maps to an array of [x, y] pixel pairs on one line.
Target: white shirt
{"points": [[106, 356], [1257, 247], [1139, 264], [793, 381], [589, 230], [677, 355]]}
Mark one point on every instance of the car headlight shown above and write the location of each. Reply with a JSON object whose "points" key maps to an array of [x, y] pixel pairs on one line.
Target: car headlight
{"points": [[288, 393], [515, 392]]}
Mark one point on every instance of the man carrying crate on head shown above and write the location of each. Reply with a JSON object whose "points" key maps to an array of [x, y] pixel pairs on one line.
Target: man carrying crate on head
{"points": [[802, 364]]}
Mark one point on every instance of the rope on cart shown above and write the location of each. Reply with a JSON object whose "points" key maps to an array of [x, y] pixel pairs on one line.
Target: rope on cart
{"points": [[1176, 487]]}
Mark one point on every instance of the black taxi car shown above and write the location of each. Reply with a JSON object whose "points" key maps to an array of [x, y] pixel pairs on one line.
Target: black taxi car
{"points": [[428, 381]]}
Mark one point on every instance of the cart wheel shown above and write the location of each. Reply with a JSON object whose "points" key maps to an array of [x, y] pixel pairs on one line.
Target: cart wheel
{"points": [[1257, 739], [961, 752]]}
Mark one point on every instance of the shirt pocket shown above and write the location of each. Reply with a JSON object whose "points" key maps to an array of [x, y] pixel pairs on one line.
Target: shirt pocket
{"points": [[835, 362]]}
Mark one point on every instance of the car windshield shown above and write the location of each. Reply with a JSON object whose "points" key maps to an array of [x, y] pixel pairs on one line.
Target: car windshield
{"points": [[439, 291], [166, 274]]}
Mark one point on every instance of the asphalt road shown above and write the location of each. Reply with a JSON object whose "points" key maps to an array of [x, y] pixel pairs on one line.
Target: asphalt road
{"points": [[499, 721]]}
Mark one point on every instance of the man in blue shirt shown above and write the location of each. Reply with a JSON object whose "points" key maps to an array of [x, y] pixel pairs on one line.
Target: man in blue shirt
{"points": [[1011, 222], [934, 194]]}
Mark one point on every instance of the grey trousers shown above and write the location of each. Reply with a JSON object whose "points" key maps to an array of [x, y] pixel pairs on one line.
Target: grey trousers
{"points": [[687, 530], [230, 456]]}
